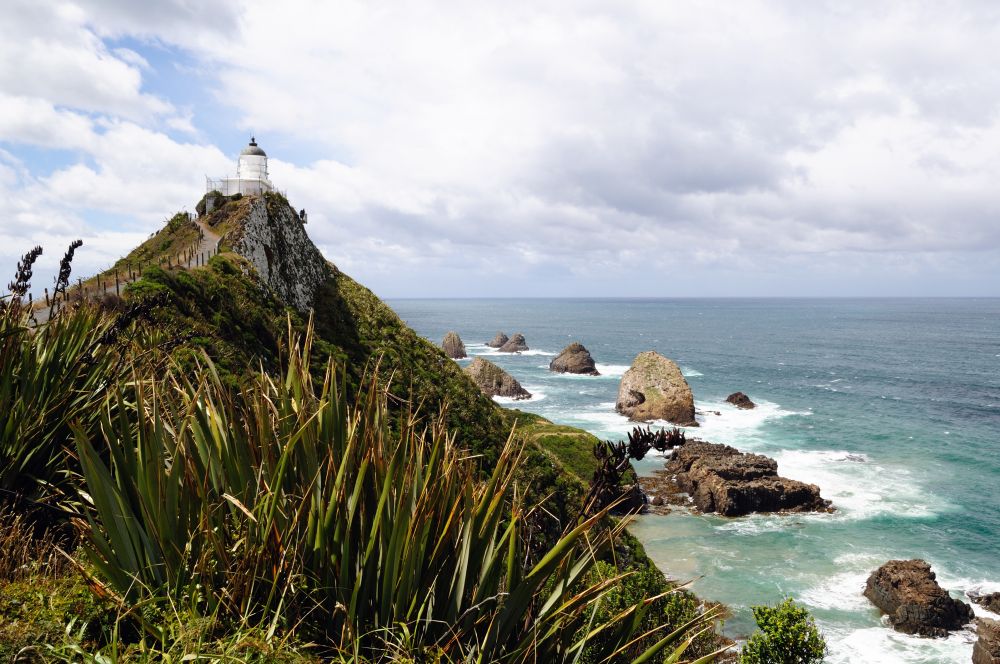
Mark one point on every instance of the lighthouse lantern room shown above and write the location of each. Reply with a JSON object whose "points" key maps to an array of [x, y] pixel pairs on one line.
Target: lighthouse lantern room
{"points": [[251, 174]]}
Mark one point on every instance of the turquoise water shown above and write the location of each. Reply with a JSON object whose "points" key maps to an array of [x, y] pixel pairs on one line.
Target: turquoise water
{"points": [[891, 406]]}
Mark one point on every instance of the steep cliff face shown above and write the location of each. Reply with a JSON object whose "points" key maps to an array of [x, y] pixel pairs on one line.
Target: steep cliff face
{"points": [[268, 233]]}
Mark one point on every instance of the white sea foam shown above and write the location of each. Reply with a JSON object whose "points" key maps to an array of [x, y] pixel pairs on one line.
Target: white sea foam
{"points": [[859, 489], [883, 645], [486, 351], [966, 586], [844, 590], [612, 370], [757, 524], [691, 373], [735, 426], [536, 396]]}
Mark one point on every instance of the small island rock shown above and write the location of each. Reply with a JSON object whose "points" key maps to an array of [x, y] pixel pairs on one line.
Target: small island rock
{"points": [[453, 346], [989, 601], [574, 359], [654, 389], [494, 381], [908, 591], [721, 479], [987, 648], [514, 345], [741, 400], [499, 340]]}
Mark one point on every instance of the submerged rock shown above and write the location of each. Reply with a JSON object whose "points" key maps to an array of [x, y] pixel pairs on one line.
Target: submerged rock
{"points": [[989, 601], [908, 592], [499, 340], [741, 400], [987, 648], [574, 359], [722, 479], [494, 381], [514, 345], [453, 346], [654, 389]]}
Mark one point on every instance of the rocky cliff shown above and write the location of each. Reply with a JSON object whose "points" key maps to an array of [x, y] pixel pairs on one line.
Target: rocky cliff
{"points": [[987, 648], [268, 233]]}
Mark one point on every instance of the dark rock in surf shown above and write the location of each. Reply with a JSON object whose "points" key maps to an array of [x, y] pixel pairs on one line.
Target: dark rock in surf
{"points": [[721, 479], [989, 601], [453, 346], [499, 340], [741, 400], [908, 592], [514, 345], [574, 359]]}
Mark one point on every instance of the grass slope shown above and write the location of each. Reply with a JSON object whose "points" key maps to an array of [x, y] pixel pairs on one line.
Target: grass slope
{"points": [[223, 311]]}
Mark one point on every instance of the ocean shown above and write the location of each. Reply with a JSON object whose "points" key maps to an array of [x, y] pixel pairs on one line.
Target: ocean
{"points": [[891, 406]]}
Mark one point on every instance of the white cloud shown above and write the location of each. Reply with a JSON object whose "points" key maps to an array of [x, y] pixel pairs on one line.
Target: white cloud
{"points": [[585, 143]]}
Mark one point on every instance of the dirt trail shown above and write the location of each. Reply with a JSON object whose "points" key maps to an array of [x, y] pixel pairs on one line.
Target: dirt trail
{"points": [[208, 246]]}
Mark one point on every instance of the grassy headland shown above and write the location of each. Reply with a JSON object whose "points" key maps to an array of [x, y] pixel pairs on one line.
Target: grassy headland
{"points": [[228, 554]]}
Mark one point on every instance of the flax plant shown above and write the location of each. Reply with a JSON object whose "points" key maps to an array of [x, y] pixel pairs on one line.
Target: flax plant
{"points": [[288, 509], [50, 375]]}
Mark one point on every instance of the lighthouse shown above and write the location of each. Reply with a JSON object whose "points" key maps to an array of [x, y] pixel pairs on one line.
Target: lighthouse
{"points": [[251, 174]]}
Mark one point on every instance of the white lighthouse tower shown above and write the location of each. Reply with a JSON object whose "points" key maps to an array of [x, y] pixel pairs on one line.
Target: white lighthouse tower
{"points": [[251, 174]]}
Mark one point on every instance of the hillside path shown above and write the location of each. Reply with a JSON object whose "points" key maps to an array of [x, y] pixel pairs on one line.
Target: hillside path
{"points": [[206, 247]]}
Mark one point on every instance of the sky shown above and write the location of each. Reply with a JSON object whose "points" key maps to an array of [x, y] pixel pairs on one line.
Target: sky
{"points": [[524, 148]]}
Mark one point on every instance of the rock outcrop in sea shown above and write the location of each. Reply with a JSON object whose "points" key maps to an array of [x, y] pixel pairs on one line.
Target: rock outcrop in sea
{"points": [[989, 601], [741, 401], [655, 389], [908, 592], [574, 359], [499, 340], [987, 648], [514, 345], [453, 346], [494, 381], [721, 479]]}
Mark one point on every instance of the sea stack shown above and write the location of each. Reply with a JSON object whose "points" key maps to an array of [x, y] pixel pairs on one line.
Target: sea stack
{"points": [[908, 592], [741, 401], [654, 389], [574, 359], [453, 346], [514, 345], [494, 381], [499, 340]]}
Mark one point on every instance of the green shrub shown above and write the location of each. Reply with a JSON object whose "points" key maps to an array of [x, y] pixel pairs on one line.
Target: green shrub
{"points": [[788, 635]]}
